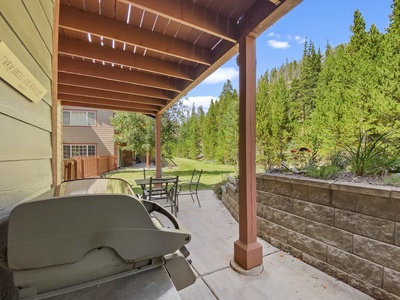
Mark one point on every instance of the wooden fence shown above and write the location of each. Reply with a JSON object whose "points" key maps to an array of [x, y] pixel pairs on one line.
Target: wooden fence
{"points": [[87, 166]]}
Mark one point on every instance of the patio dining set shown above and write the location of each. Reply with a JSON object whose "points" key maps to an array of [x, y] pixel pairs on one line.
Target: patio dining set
{"points": [[166, 190]]}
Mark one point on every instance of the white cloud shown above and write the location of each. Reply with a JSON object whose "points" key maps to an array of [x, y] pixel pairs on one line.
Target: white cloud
{"points": [[203, 101], [299, 39], [222, 75], [277, 35], [278, 44]]}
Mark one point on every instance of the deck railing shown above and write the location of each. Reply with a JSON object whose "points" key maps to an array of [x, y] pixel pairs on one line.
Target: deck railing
{"points": [[87, 166]]}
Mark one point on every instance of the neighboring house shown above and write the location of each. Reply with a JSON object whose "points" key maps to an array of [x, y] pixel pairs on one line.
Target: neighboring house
{"points": [[87, 132]]}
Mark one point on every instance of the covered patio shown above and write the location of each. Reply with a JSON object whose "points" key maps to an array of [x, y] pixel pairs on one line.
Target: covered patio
{"points": [[144, 55]]}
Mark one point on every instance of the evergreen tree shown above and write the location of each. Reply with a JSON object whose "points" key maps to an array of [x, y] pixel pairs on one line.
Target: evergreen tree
{"points": [[359, 36], [194, 135], [389, 71], [227, 132], [210, 131], [170, 125], [272, 114]]}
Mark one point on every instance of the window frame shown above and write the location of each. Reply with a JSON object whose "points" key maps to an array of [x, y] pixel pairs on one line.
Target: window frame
{"points": [[79, 145], [87, 112]]}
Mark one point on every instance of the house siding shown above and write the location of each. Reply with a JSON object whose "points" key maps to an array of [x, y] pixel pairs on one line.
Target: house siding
{"points": [[102, 134], [25, 127]]}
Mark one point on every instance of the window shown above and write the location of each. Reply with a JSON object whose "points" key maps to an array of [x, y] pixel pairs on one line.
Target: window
{"points": [[79, 118], [78, 150]]}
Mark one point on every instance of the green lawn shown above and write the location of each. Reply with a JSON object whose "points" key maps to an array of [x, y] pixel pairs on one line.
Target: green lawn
{"points": [[212, 172]]}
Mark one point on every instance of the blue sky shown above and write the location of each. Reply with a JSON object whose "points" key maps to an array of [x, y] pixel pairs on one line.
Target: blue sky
{"points": [[318, 20]]}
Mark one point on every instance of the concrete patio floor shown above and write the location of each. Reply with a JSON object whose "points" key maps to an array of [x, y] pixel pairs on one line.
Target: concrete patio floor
{"points": [[214, 231]]}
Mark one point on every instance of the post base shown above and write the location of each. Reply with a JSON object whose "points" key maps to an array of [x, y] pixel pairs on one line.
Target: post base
{"points": [[248, 256], [251, 272]]}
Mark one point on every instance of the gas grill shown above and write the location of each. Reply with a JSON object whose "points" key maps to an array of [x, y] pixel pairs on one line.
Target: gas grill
{"points": [[94, 239]]}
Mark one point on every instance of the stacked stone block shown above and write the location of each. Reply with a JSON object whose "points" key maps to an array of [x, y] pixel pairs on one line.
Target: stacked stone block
{"points": [[349, 231]]}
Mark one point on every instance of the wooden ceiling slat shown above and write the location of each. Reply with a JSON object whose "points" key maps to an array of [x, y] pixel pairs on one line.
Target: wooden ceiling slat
{"points": [[184, 32], [75, 66], [92, 6], [193, 36], [85, 99], [82, 21], [108, 8], [109, 85], [161, 24], [79, 91], [69, 33], [172, 28], [234, 10], [136, 16], [148, 20], [121, 11], [104, 106], [78, 48], [188, 13], [77, 3]]}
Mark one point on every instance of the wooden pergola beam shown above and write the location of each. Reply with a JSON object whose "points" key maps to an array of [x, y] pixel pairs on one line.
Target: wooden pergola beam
{"points": [[84, 49], [101, 106], [86, 22], [262, 15], [113, 86], [91, 100], [192, 15], [77, 66], [79, 91]]}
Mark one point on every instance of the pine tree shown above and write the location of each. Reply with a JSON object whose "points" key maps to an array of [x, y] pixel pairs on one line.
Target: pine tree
{"points": [[359, 37], [227, 133], [194, 135], [210, 131]]}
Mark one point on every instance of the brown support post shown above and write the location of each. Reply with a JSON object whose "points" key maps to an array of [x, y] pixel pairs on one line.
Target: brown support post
{"points": [[55, 162], [247, 251], [158, 146]]}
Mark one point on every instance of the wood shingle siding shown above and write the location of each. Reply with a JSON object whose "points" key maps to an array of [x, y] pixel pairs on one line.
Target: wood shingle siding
{"points": [[25, 127]]}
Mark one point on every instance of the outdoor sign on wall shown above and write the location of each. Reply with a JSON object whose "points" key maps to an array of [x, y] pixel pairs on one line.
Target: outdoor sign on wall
{"points": [[18, 76]]}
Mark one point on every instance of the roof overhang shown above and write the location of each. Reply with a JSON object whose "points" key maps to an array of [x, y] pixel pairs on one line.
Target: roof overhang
{"points": [[144, 55]]}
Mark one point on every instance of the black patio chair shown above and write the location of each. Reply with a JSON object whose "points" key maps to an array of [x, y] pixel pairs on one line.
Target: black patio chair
{"points": [[147, 173], [190, 188], [165, 191]]}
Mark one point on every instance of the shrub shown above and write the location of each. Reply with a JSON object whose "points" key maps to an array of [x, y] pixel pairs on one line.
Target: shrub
{"points": [[366, 156], [323, 172], [337, 160]]}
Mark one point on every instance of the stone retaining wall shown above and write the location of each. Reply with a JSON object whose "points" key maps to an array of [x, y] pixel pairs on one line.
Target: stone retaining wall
{"points": [[351, 232]]}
